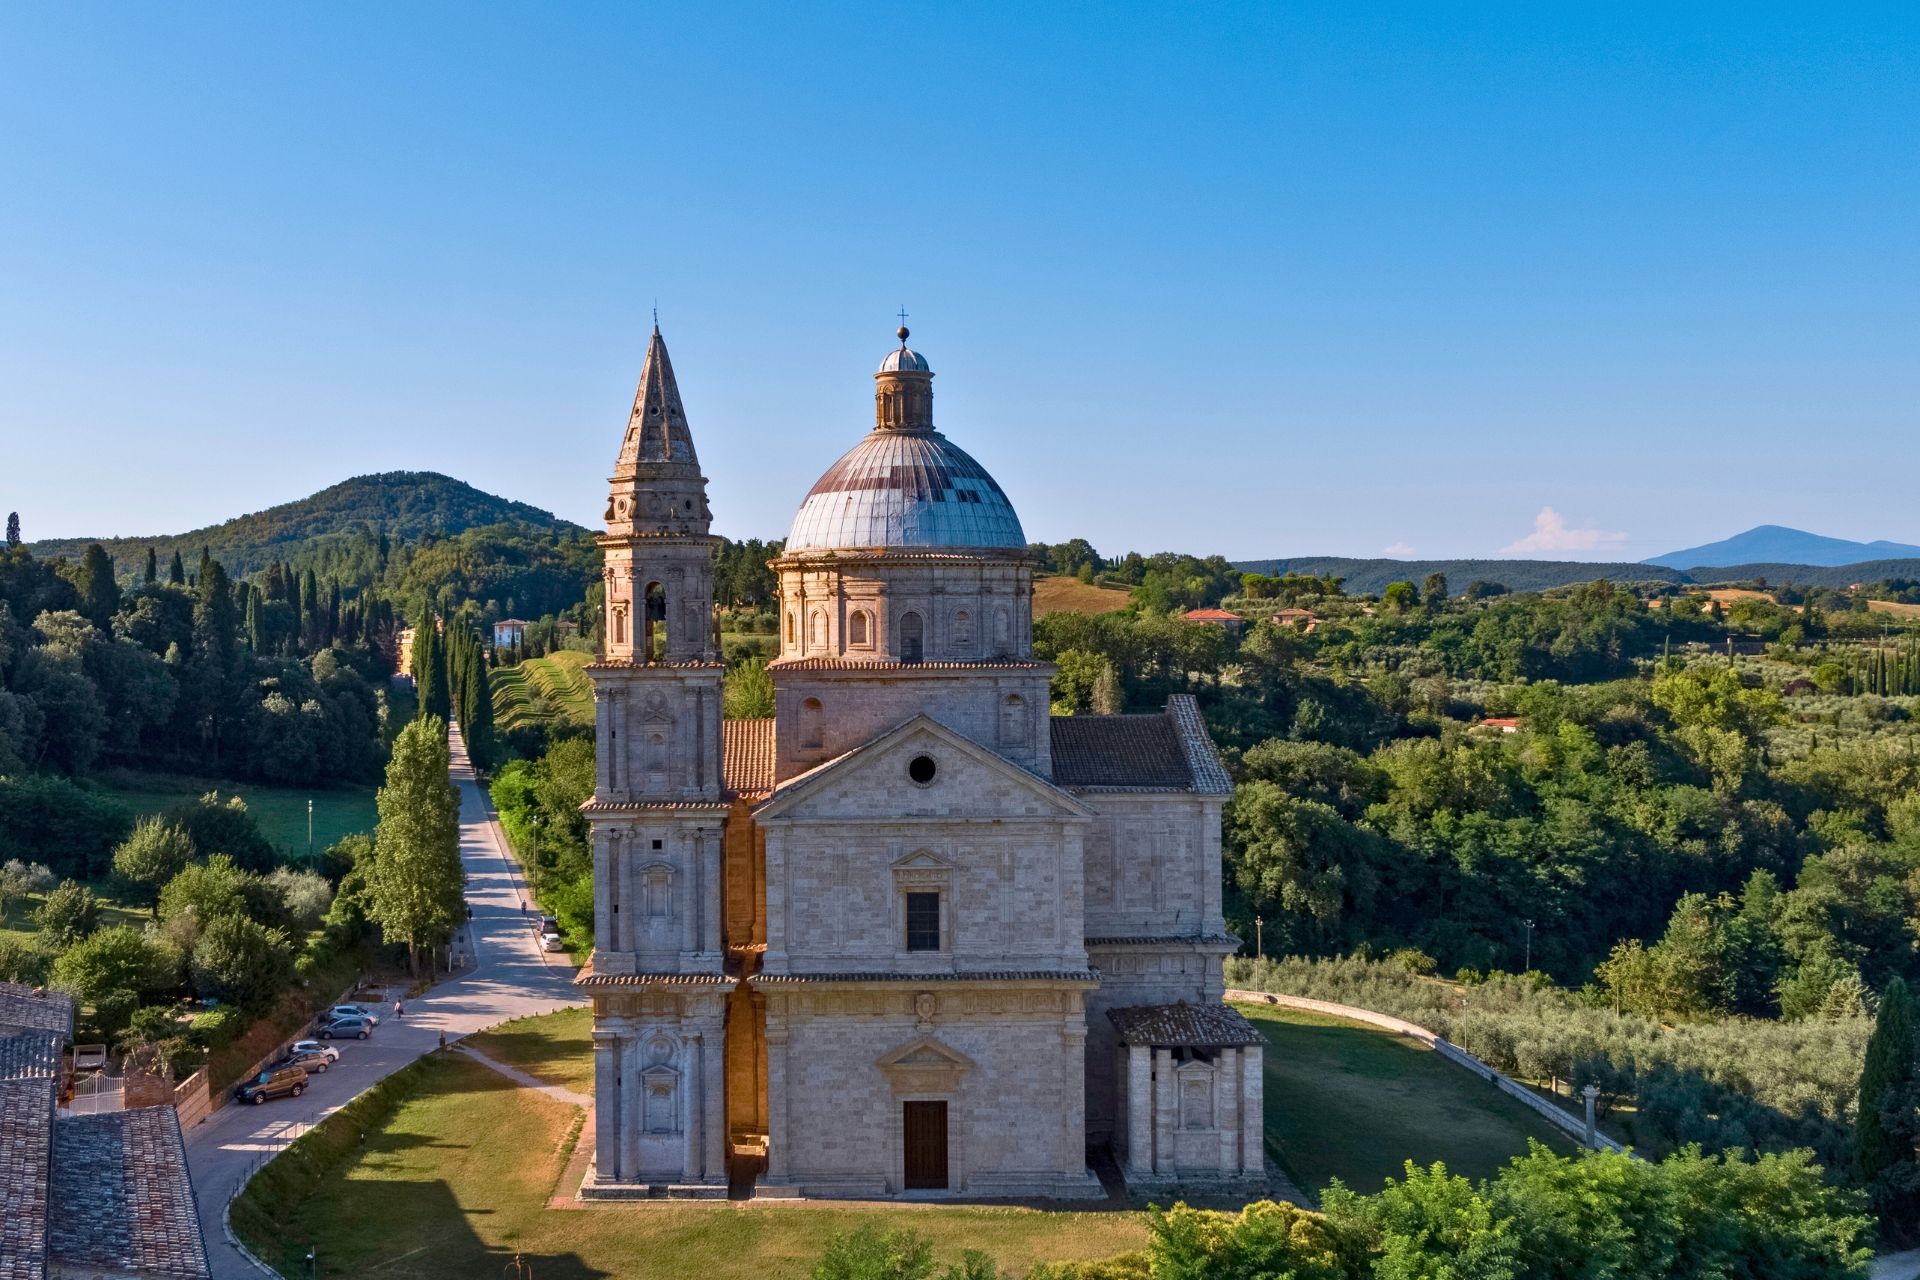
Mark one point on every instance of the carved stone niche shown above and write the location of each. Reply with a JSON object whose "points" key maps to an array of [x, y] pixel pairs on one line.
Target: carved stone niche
{"points": [[924, 1066]]}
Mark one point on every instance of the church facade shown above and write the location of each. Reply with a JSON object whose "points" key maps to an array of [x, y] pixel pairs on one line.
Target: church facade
{"points": [[911, 936]]}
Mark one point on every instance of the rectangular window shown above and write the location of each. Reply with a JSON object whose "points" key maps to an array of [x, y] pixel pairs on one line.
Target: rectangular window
{"points": [[923, 922]]}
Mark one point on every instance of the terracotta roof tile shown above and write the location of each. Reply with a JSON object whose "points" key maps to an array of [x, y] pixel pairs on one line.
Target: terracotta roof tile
{"points": [[986, 975], [1137, 753], [26, 1146], [42, 1010], [588, 978], [746, 756], [1181, 1025], [871, 664], [121, 1197], [1164, 939]]}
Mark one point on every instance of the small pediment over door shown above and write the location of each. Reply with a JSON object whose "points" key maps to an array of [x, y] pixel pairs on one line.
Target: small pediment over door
{"points": [[925, 1065]]}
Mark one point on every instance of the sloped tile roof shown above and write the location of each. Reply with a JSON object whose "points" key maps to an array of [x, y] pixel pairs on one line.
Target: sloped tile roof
{"points": [[984, 975], [746, 756], [43, 1010], [1166, 939], [1209, 775], [883, 664], [588, 978], [1183, 1025], [29, 1054], [121, 1197], [1134, 753], [26, 1143]]}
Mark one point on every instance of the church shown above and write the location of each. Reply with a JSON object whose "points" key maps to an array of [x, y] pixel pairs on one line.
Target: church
{"points": [[913, 936]]}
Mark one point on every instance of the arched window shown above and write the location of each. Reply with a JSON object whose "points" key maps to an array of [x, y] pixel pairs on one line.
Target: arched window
{"points": [[1002, 630], [817, 630], [962, 630], [812, 723], [792, 628], [1013, 720], [655, 615], [912, 637], [619, 625], [860, 628]]}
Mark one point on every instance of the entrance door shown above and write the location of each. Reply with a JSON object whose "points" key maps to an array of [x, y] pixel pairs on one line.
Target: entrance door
{"points": [[925, 1128]]}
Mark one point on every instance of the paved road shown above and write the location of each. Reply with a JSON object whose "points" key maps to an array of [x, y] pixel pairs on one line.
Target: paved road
{"points": [[509, 978]]}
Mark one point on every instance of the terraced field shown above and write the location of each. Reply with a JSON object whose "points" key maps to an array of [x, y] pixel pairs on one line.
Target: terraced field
{"points": [[548, 691]]}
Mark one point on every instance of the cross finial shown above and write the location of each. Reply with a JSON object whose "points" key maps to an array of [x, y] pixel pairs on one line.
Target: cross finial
{"points": [[902, 331], [656, 315]]}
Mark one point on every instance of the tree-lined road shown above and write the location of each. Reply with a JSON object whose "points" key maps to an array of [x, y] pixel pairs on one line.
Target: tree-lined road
{"points": [[510, 977]]}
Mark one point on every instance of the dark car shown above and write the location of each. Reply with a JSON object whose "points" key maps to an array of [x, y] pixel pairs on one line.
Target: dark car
{"points": [[277, 1081], [345, 1029]]}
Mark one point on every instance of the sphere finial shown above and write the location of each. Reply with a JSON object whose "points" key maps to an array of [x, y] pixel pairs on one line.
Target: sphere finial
{"points": [[901, 332]]}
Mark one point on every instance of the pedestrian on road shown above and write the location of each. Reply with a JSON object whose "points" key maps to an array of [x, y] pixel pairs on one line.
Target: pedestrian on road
{"points": [[399, 1011]]}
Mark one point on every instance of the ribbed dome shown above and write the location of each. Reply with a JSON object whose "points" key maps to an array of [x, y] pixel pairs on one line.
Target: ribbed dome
{"points": [[904, 360], [900, 489]]}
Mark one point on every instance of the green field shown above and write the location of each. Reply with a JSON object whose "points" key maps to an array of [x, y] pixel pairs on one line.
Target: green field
{"points": [[1352, 1102], [456, 1183], [546, 692], [17, 920], [280, 811]]}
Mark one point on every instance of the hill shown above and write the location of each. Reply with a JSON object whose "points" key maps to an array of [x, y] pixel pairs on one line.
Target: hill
{"points": [[1056, 593], [1370, 576], [1777, 544], [405, 505]]}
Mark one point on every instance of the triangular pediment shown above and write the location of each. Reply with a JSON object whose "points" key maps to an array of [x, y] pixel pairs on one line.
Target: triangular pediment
{"points": [[923, 1053], [969, 781]]}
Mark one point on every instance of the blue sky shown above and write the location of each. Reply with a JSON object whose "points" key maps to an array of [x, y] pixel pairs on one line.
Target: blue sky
{"points": [[1261, 280]]}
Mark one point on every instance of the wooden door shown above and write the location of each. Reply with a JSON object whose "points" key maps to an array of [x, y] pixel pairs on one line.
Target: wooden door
{"points": [[925, 1129]]}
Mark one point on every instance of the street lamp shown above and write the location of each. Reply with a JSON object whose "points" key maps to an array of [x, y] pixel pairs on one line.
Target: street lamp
{"points": [[1529, 964], [309, 832], [1259, 944]]}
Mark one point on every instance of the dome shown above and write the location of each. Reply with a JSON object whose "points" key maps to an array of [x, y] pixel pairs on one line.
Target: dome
{"points": [[904, 360], [900, 489]]}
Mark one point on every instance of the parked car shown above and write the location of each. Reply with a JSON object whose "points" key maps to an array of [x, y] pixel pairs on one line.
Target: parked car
{"points": [[278, 1081], [310, 1054], [353, 1011], [345, 1029], [552, 942], [547, 925]]}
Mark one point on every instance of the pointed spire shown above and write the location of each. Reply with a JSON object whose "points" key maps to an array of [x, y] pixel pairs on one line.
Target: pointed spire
{"points": [[657, 431]]}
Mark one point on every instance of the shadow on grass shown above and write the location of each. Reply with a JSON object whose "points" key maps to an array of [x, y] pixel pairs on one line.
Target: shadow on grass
{"points": [[422, 1232]]}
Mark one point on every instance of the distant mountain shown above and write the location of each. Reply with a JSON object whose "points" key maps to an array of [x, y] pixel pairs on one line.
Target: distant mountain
{"points": [[1779, 545], [406, 505], [1370, 576]]}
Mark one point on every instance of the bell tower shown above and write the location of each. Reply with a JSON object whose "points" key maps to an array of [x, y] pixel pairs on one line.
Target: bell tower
{"points": [[657, 814]]}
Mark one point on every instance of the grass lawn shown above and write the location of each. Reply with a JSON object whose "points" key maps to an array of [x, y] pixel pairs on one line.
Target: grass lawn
{"points": [[1352, 1102], [456, 1182], [17, 920], [280, 811], [556, 1048]]}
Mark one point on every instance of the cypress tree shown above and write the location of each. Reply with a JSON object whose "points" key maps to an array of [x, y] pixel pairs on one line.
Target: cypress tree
{"points": [[332, 627], [294, 627], [309, 611], [153, 567], [13, 528], [177, 572], [99, 593], [1888, 1124], [255, 640]]}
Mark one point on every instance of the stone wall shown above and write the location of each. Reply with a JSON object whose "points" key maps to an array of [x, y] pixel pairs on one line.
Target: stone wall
{"points": [[1005, 1059], [1153, 864]]}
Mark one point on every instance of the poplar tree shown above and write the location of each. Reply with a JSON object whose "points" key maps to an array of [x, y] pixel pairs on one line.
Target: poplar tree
{"points": [[13, 528], [414, 890], [1887, 1126]]}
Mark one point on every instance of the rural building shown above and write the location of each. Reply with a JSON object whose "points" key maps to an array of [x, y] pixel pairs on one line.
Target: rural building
{"points": [[911, 935], [84, 1196], [510, 633], [1216, 618], [1499, 724]]}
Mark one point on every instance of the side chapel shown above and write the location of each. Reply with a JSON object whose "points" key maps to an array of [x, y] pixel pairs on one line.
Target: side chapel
{"points": [[912, 935]]}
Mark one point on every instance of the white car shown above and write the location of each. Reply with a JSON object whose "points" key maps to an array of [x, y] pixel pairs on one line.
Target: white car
{"points": [[552, 942], [327, 1051], [351, 1011]]}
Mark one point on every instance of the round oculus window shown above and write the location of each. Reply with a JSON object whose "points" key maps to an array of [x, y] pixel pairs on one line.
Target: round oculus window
{"points": [[921, 769]]}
